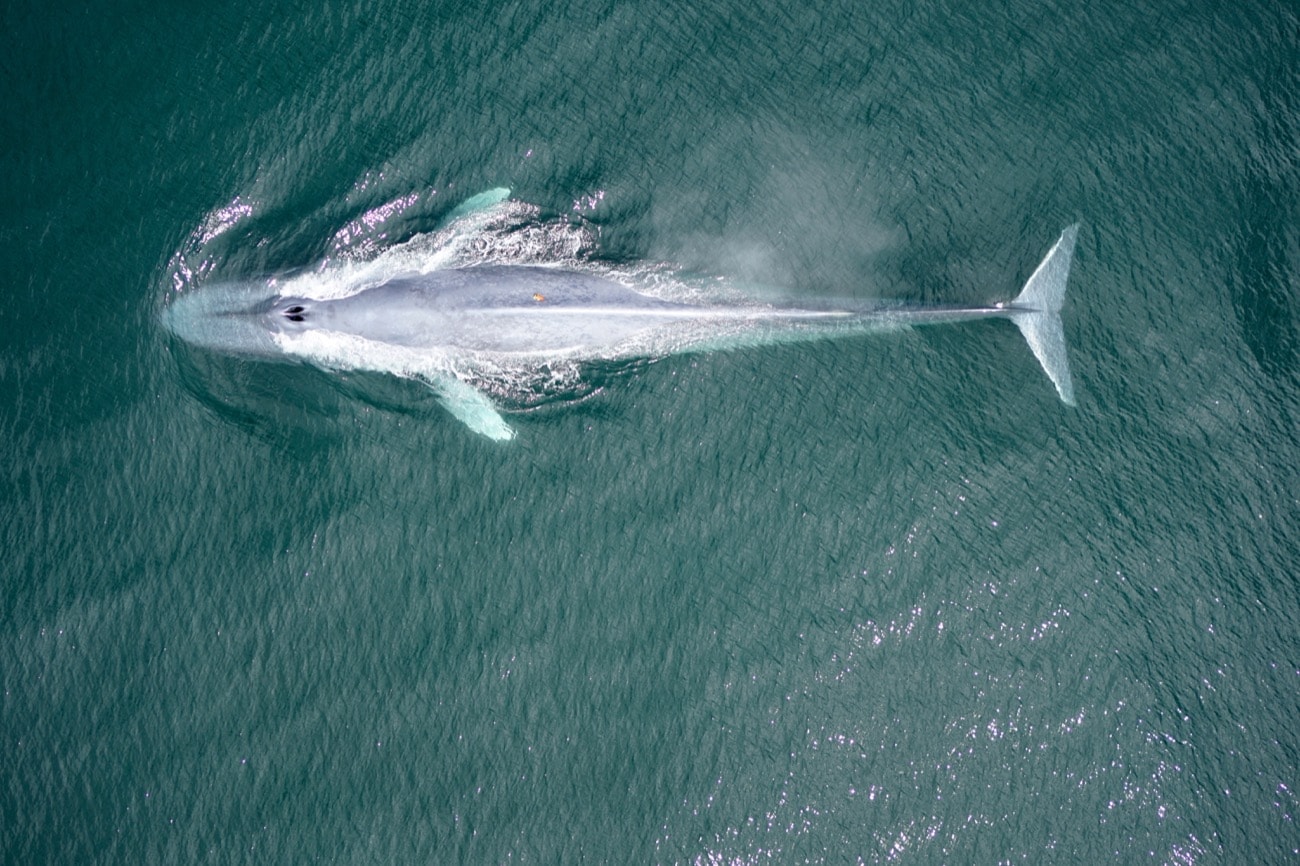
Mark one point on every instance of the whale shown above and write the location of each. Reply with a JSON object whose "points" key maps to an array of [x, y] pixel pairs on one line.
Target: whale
{"points": [[455, 328]]}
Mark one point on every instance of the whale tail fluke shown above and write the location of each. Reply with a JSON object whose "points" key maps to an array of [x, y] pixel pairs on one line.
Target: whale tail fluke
{"points": [[1036, 311]]}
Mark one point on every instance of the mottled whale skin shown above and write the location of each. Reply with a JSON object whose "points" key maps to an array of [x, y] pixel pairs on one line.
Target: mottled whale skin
{"points": [[445, 324]]}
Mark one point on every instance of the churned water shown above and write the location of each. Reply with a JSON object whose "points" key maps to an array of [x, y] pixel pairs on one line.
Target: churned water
{"points": [[882, 599]]}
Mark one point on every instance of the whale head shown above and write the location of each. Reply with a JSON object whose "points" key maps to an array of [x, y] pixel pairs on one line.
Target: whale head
{"points": [[234, 318]]}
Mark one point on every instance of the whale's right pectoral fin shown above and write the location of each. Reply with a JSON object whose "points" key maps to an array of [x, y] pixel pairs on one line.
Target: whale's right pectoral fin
{"points": [[472, 408], [477, 204]]}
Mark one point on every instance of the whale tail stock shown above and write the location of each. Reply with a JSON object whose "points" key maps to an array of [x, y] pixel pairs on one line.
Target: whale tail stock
{"points": [[1036, 311]]}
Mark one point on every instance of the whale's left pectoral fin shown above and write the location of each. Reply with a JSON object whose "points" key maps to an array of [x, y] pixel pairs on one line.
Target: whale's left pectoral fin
{"points": [[472, 408]]}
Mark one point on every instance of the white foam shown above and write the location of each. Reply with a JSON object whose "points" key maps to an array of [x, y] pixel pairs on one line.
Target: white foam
{"points": [[508, 233]]}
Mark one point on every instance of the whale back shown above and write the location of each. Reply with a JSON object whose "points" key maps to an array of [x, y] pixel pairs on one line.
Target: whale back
{"points": [[511, 309]]}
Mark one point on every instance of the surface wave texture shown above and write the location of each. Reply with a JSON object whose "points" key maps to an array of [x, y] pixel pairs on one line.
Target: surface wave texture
{"points": [[874, 600]]}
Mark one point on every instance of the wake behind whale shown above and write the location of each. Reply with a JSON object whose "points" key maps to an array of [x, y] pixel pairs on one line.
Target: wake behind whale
{"points": [[453, 327]]}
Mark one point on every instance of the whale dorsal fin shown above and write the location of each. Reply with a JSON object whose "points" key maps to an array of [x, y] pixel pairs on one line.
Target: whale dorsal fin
{"points": [[472, 408]]}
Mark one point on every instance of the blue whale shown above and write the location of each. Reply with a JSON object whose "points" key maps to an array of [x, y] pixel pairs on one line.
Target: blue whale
{"points": [[454, 327]]}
